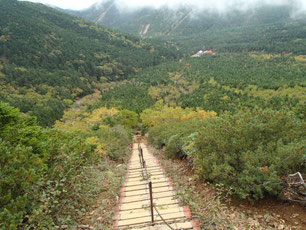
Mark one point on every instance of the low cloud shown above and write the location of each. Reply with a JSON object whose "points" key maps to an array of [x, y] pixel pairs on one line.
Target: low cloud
{"points": [[219, 5]]}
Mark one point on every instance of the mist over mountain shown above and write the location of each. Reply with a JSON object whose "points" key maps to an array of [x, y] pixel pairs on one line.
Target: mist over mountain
{"points": [[220, 6], [274, 26]]}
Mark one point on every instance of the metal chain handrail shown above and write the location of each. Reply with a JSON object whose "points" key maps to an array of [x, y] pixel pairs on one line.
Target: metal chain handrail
{"points": [[144, 167]]}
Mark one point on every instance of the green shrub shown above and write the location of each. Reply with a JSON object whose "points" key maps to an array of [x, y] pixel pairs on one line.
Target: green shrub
{"points": [[21, 163], [128, 118], [19, 169], [49, 177], [248, 152], [66, 187], [174, 146], [251, 151], [159, 136], [116, 140]]}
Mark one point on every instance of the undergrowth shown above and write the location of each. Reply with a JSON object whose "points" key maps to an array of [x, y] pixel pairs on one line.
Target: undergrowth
{"points": [[51, 178], [207, 202]]}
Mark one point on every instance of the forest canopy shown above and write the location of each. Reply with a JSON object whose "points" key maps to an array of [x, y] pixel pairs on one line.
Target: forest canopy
{"points": [[62, 58]]}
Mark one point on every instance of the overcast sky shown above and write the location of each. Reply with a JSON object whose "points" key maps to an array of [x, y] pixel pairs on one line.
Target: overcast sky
{"points": [[68, 4], [217, 4]]}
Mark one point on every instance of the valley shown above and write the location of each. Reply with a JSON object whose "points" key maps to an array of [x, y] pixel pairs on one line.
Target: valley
{"points": [[227, 127]]}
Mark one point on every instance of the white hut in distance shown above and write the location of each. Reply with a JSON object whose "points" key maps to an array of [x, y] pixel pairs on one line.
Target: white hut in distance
{"points": [[202, 52]]}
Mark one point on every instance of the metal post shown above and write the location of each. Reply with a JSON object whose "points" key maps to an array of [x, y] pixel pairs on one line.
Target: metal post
{"points": [[140, 159], [151, 202], [141, 154], [144, 170]]}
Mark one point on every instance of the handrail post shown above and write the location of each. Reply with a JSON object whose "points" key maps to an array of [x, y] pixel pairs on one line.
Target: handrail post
{"points": [[151, 202], [141, 153], [140, 156], [140, 159]]}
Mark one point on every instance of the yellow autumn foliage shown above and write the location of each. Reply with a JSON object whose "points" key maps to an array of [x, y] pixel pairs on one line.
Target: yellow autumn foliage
{"points": [[97, 116], [199, 114], [71, 125], [73, 120], [165, 114], [301, 58], [92, 140], [100, 149], [95, 141]]}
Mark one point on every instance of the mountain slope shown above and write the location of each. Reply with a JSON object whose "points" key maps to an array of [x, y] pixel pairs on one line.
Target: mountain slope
{"points": [[48, 58], [267, 27]]}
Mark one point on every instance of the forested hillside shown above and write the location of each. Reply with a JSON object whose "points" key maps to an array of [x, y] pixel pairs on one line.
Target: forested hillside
{"points": [[73, 94], [235, 116], [222, 82], [48, 59], [263, 28]]}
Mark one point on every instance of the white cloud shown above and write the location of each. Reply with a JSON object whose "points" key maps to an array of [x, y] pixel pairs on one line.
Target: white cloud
{"points": [[68, 4], [206, 4], [221, 5]]}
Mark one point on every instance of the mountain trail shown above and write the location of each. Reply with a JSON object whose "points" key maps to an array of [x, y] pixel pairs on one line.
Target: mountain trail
{"points": [[135, 210]]}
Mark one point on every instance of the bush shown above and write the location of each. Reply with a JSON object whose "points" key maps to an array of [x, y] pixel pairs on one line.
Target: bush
{"points": [[248, 152], [160, 136], [20, 168], [49, 177], [116, 140], [174, 146], [21, 163], [66, 187], [128, 118], [251, 151]]}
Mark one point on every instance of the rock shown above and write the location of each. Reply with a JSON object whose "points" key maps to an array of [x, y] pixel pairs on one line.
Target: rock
{"points": [[281, 227], [64, 226], [282, 221], [85, 227], [269, 219], [254, 223]]}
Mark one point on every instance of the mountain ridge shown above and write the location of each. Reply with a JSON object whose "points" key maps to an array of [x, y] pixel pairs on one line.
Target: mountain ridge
{"points": [[63, 57], [203, 27]]}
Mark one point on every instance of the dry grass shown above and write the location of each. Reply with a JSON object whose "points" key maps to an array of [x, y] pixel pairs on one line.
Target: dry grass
{"points": [[101, 214]]}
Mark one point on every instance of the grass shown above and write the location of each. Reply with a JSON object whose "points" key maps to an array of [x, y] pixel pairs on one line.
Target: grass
{"points": [[100, 215]]}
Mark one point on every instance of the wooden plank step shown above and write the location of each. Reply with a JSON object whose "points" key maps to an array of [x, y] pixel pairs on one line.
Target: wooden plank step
{"points": [[134, 210]]}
